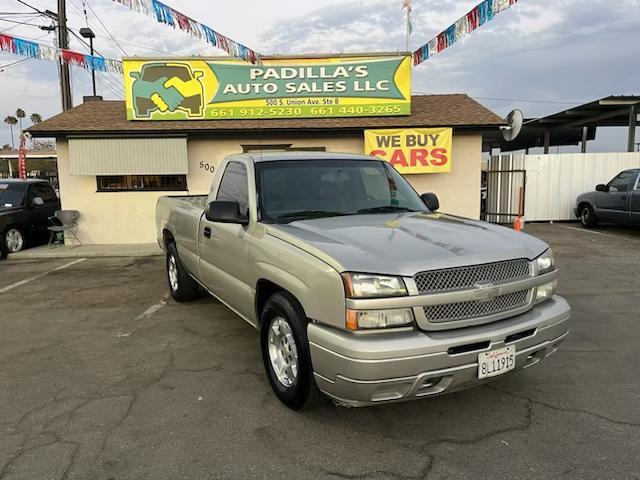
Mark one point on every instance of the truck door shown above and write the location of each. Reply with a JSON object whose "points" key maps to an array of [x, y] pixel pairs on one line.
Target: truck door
{"points": [[223, 247], [635, 202], [613, 206]]}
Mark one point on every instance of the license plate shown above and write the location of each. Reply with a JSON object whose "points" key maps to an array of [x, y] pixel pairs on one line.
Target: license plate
{"points": [[496, 362]]}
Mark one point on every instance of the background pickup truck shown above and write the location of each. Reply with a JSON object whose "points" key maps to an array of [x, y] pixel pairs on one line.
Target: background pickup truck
{"points": [[25, 208], [616, 202], [358, 287]]}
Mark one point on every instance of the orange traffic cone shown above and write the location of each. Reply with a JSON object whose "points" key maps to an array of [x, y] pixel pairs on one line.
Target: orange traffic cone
{"points": [[517, 224]]}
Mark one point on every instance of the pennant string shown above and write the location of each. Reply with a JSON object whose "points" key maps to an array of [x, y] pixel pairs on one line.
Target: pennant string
{"points": [[169, 16], [482, 13], [26, 48]]}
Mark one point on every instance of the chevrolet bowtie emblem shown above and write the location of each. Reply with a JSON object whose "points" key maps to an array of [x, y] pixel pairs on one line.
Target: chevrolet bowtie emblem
{"points": [[485, 291]]}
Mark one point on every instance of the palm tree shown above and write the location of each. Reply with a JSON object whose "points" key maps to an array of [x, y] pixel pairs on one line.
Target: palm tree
{"points": [[11, 121], [6, 146], [20, 113], [35, 118]]}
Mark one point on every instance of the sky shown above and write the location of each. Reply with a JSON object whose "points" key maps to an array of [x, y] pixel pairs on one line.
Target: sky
{"points": [[541, 56]]}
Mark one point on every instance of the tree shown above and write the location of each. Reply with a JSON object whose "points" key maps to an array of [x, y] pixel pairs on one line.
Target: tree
{"points": [[20, 113], [44, 145], [6, 146], [35, 118], [11, 121]]}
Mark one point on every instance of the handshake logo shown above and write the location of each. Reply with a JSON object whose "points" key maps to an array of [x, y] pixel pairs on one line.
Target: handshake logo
{"points": [[167, 87]]}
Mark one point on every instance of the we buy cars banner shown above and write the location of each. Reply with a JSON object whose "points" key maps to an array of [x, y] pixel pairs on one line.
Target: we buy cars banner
{"points": [[416, 150]]}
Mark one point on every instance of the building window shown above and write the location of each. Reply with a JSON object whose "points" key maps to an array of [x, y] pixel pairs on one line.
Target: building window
{"points": [[141, 183]]}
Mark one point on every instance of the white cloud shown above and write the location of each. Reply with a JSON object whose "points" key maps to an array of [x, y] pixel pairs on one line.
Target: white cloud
{"points": [[539, 49]]}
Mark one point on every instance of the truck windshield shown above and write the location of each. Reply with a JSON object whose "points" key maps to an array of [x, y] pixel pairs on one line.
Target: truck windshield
{"points": [[10, 196], [290, 190]]}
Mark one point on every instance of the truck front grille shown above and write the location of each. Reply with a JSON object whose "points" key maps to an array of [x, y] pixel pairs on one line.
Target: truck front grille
{"points": [[461, 278], [475, 308]]}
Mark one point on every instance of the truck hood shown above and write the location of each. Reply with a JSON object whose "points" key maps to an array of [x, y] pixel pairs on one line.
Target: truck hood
{"points": [[407, 243]]}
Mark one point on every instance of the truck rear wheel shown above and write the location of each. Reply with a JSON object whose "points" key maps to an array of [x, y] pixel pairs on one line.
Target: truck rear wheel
{"points": [[183, 288], [285, 352]]}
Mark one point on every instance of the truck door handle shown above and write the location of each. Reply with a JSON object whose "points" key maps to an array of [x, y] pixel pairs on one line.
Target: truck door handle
{"points": [[207, 232]]}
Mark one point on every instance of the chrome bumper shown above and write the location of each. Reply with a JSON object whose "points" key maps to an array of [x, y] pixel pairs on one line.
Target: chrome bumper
{"points": [[368, 369]]}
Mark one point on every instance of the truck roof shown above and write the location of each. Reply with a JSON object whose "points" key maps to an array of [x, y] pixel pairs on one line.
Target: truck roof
{"points": [[300, 155]]}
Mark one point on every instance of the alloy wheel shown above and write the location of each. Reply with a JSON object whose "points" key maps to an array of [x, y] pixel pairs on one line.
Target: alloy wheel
{"points": [[14, 240], [173, 273], [283, 353]]}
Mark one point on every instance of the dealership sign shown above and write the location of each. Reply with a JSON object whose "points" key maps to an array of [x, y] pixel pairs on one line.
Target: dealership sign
{"points": [[416, 150], [215, 89]]}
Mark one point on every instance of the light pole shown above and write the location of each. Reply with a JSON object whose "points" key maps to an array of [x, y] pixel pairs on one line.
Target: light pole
{"points": [[86, 32]]}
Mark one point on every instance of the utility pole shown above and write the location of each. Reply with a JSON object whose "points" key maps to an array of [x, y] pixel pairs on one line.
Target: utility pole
{"points": [[63, 42]]}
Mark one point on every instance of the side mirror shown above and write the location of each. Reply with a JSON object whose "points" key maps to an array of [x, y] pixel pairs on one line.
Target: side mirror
{"points": [[37, 201], [225, 212], [431, 201], [602, 188]]}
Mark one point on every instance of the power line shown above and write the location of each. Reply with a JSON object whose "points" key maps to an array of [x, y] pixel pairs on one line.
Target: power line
{"points": [[17, 24], [529, 100], [14, 64], [523, 100], [107, 30]]}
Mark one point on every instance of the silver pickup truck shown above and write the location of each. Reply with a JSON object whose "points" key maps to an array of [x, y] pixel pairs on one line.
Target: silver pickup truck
{"points": [[358, 287]]}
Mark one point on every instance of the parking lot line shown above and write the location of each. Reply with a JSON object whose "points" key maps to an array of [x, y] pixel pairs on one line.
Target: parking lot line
{"points": [[124, 333], [40, 275], [600, 233]]}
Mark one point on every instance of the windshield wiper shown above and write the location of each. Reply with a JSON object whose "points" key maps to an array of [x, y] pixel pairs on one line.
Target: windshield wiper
{"points": [[385, 209], [310, 214]]}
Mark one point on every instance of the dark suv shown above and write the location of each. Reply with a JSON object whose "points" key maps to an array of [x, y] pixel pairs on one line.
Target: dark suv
{"points": [[25, 208]]}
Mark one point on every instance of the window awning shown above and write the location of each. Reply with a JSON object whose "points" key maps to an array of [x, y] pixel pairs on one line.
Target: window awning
{"points": [[128, 156]]}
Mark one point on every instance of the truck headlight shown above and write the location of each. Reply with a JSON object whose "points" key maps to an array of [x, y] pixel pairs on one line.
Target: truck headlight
{"points": [[367, 319], [546, 262], [546, 291], [365, 285]]}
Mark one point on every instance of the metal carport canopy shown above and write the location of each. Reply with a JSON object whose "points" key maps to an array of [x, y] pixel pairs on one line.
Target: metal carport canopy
{"points": [[572, 126], [612, 111]]}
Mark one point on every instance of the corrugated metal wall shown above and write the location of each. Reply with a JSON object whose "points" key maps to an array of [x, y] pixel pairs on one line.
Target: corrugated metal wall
{"points": [[128, 156], [555, 181]]}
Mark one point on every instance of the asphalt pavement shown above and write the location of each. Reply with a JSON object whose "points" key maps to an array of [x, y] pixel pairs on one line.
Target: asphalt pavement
{"points": [[103, 377]]}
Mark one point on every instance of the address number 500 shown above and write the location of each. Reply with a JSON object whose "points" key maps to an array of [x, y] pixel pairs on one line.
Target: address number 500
{"points": [[207, 167]]}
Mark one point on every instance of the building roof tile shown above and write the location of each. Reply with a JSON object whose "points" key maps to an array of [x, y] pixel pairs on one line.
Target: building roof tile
{"points": [[108, 117]]}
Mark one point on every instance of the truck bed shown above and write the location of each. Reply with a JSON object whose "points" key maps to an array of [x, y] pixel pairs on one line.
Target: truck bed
{"points": [[180, 214]]}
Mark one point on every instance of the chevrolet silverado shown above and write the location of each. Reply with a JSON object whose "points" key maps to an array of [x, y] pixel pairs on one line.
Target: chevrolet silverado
{"points": [[359, 288]]}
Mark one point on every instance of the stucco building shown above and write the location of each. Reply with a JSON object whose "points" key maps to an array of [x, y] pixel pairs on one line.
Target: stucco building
{"points": [[113, 170]]}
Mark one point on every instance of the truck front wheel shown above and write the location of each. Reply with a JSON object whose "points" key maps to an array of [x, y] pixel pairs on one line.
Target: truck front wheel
{"points": [[285, 352], [587, 216], [183, 288]]}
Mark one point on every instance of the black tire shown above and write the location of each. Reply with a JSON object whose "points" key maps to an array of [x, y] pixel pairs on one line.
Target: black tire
{"points": [[185, 288], [303, 393], [13, 231], [587, 216]]}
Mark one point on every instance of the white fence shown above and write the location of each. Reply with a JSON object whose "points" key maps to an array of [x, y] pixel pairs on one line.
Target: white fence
{"points": [[554, 181]]}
